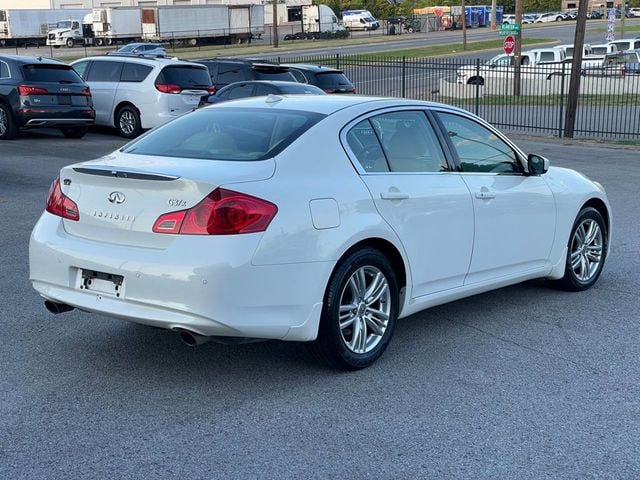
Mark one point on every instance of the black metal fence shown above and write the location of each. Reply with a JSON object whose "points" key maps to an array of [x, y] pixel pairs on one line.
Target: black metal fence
{"points": [[608, 101]]}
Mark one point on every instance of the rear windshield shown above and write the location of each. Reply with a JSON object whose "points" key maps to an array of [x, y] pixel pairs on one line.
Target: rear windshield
{"points": [[234, 134], [332, 79], [185, 76], [268, 73], [50, 73]]}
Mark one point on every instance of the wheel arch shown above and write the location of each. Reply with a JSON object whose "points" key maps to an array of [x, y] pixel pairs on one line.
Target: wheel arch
{"points": [[601, 207], [119, 106], [390, 251]]}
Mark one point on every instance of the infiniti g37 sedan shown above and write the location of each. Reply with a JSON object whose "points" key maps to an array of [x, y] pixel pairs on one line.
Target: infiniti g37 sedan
{"points": [[314, 219]]}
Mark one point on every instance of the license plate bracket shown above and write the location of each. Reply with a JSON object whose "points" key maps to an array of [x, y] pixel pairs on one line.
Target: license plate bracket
{"points": [[101, 282], [64, 100]]}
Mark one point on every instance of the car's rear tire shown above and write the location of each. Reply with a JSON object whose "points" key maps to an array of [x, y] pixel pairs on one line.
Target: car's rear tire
{"points": [[128, 122], [74, 132], [586, 252], [476, 81], [70, 43], [8, 128], [359, 314]]}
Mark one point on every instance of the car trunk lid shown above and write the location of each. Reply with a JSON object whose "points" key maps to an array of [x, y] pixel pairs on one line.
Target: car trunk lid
{"points": [[119, 199]]}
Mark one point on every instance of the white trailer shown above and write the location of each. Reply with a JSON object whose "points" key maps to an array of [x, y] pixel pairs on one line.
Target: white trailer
{"points": [[117, 24], [195, 24], [320, 19], [19, 27]]}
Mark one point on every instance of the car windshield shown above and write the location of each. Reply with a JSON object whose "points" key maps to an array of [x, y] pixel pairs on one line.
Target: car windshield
{"points": [[65, 24], [225, 134], [50, 73]]}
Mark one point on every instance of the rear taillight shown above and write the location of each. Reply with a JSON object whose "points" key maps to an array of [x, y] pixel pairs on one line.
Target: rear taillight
{"points": [[25, 91], [222, 212], [86, 91], [168, 88], [212, 90], [61, 205], [328, 90]]}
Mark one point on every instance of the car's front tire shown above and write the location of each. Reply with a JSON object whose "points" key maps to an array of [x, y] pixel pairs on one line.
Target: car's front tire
{"points": [[359, 313], [587, 250], [8, 128], [128, 122]]}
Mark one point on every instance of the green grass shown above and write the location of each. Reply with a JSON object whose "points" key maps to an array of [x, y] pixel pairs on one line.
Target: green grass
{"points": [[455, 48], [621, 100]]}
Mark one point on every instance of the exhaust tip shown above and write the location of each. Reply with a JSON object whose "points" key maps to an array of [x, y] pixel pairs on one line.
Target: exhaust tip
{"points": [[188, 338], [57, 308]]}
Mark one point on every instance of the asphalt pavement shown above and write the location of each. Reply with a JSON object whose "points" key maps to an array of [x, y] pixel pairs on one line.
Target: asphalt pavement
{"points": [[523, 382]]}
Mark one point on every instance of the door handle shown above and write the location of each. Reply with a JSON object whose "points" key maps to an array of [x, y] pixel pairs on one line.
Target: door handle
{"points": [[394, 196], [485, 195]]}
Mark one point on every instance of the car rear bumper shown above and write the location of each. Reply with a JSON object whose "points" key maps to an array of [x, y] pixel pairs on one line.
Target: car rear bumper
{"points": [[206, 285], [37, 118]]}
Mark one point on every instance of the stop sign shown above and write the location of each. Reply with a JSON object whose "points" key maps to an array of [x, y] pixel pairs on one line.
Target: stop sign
{"points": [[509, 45]]}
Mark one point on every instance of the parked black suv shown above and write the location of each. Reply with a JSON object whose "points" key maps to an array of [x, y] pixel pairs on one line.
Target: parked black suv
{"points": [[38, 92], [328, 79], [224, 71]]}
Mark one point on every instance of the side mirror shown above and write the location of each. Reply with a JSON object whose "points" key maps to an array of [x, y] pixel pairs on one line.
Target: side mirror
{"points": [[537, 164]]}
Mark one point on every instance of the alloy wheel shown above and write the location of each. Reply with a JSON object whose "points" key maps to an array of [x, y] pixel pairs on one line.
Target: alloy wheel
{"points": [[4, 121], [586, 250], [127, 122], [365, 308]]}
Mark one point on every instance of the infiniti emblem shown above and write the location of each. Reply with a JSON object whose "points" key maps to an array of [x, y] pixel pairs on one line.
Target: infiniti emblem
{"points": [[116, 197]]}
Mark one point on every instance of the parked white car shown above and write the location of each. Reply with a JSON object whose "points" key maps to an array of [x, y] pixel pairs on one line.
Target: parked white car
{"points": [[134, 93], [625, 44], [549, 17], [311, 218]]}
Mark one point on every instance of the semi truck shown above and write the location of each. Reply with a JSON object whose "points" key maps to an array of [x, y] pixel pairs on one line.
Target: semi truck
{"points": [[195, 24], [192, 24], [22, 27]]}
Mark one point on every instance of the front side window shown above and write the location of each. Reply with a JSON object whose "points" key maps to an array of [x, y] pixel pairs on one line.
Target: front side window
{"points": [[225, 134], [478, 148]]}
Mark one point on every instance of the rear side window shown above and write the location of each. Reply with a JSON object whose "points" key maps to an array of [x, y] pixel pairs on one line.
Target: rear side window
{"points": [[50, 74], [134, 72], [4, 70], [105, 72], [225, 134], [230, 73], [185, 76]]}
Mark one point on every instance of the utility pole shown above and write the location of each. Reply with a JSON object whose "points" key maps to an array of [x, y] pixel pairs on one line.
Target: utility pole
{"points": [[275, 23], [464, 26], [623, 10], [493, 15], [576, 67], [517, 52]]}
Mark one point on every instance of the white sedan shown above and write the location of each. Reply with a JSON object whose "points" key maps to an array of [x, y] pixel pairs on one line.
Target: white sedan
{"points": [[318, 220]]}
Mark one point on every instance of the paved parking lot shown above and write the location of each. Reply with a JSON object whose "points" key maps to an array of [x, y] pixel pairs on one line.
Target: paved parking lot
{"points": [[524, 382]]}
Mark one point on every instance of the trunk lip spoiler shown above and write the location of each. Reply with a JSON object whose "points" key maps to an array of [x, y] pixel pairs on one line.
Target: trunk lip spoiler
{"points": [[130, 174]]}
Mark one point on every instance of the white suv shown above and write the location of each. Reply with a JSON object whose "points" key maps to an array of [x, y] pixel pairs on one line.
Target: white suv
{"points": [[134, 93]]}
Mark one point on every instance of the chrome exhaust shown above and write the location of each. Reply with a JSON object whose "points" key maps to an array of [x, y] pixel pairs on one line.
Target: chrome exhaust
{"points": [[193, 339], [57, 308]]}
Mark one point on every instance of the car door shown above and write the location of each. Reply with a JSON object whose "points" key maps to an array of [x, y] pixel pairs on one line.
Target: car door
{"points": [[103, 78], [515, 213], [401, 160]]}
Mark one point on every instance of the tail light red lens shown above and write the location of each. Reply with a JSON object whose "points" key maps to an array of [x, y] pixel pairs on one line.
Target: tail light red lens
{"points": [[61, 205], [168, 88], [86, 91], [25, 91], [212, 90], [222, 212]]}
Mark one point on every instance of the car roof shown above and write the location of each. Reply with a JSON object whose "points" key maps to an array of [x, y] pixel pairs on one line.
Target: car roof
{"points": [[242, 61], [275, 83], [28, 60], [311, 68], [327, 104], [152, 61]]}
